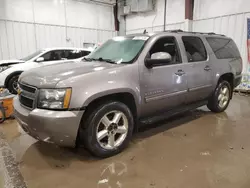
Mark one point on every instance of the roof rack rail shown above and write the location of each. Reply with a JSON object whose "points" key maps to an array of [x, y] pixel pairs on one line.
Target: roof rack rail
{"points": [[181, 31], [174, 31]]}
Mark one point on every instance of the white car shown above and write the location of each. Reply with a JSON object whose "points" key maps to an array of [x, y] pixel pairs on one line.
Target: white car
{"points": [[11, 69]]}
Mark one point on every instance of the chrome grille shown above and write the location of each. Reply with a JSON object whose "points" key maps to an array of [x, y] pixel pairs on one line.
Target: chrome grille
{"points": [[27, 95]]}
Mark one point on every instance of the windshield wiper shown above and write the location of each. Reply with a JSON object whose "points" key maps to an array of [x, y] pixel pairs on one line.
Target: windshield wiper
{"points": [[99, 59], [106, 60]]}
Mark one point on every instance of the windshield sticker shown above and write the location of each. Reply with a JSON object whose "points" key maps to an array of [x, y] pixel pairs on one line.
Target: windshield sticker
{"points": [[140, 38]]}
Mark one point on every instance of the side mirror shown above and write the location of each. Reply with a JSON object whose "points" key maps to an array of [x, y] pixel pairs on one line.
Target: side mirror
{"points": [[40, 59], [158, 59]]}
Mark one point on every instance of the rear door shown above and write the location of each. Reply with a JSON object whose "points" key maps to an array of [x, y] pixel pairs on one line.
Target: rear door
{"points": [[199, 71]]}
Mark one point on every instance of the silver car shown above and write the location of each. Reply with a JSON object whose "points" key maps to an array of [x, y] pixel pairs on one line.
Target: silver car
{"points": [[99, 101]]}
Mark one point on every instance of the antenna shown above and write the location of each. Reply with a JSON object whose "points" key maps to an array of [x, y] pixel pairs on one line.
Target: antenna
{"points": [[145, 31]]}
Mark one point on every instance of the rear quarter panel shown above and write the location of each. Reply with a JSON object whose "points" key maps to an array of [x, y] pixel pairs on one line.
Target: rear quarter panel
{"points": [[218, 66]]}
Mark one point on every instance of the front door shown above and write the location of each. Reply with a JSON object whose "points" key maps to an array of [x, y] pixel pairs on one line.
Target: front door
{"points": [[163, 87], [199, 73]]}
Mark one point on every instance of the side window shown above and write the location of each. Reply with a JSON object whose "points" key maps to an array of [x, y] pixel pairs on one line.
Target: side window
{"points": [[195, 49], [63, 54], [223, 48], [169, 45], [54, 55], [85, 53], [73, 54]]}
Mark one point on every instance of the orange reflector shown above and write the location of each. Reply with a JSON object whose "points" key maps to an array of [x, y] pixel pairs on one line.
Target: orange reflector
{"points": [[67, 98]]}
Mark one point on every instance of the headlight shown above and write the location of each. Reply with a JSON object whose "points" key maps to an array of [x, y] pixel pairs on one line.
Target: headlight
{"points": [[54, 98], [3, 68]]}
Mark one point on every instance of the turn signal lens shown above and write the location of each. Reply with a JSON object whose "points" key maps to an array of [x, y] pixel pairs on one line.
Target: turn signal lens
{"points": [[67, 97]]}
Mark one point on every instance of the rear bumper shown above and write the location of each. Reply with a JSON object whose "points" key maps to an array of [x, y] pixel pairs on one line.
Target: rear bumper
{"points": [[237, 80], [58, 127]]}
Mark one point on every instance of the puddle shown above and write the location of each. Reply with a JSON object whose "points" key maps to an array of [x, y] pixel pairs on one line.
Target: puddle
{"points": [[184, 151]]}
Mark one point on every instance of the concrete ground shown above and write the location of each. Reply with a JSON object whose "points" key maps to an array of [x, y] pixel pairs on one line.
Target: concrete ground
{"points": [[197, 149]]}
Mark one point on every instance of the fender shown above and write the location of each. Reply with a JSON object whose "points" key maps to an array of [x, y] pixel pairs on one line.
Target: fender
{"points": [[95, 96], [9, 76]]}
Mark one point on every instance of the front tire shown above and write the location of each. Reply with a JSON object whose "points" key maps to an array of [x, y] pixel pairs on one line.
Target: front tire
{"points": [[13, 84], [107, 129], [221, 97]]}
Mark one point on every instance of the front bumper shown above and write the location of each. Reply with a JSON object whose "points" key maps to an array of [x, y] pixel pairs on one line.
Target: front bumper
{"points": [[58, 127], [2, 84]]}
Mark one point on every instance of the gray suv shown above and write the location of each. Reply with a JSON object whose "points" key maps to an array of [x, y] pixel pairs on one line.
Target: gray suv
{"points": [[100, 101]]}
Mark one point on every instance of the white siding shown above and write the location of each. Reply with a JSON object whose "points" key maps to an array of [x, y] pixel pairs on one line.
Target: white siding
{"points": [[154, 21], [208, 9], [28, 25]]}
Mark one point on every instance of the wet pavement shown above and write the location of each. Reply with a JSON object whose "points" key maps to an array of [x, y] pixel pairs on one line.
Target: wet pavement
{"points": [[197, 149]]}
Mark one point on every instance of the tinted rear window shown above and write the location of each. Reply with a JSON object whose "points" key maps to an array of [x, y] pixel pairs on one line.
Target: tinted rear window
{"points": [[223, 48]]}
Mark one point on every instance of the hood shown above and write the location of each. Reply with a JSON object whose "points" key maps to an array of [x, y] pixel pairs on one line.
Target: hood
{"points": [[10, 62], [49, 76]]}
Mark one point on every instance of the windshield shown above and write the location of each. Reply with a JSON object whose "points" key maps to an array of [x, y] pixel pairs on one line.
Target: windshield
{"points": [[29, 57], [119, 49]]}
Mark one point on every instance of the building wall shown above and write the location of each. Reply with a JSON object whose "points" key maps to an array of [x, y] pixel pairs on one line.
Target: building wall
{"points": [[207, 8], [224, 17], [28, 25], [154, 21]]}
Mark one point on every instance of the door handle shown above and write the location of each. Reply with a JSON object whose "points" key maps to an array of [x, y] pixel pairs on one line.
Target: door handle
{"points": [[180, 72], [207, 68]]}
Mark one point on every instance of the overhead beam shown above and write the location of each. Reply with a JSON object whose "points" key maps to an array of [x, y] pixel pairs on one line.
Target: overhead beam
{"points": [[189, 8]]}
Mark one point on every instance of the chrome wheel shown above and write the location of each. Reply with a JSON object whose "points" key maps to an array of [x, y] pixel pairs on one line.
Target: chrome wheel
{"points": [[112, 130], [224, 97]]}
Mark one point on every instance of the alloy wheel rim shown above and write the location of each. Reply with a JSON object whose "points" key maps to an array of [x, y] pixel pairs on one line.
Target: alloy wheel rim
{"points": [[223, 97], [112, 130], [15, 85]]}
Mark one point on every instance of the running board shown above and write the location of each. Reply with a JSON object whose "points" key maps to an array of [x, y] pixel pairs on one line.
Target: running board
{"points": [[165, 115]]}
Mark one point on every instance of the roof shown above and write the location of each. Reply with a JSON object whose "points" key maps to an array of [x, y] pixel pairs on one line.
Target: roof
{"points": [[177, 32], [66, 48]]}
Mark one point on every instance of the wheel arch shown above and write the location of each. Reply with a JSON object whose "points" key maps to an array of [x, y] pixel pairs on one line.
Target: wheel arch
{"points": [[10, 76], [230, 78], [125, 97]]}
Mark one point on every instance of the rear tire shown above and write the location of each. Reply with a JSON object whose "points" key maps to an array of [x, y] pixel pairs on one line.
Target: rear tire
{"points": [[107, 129], [221, 97], [12, 84]]}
